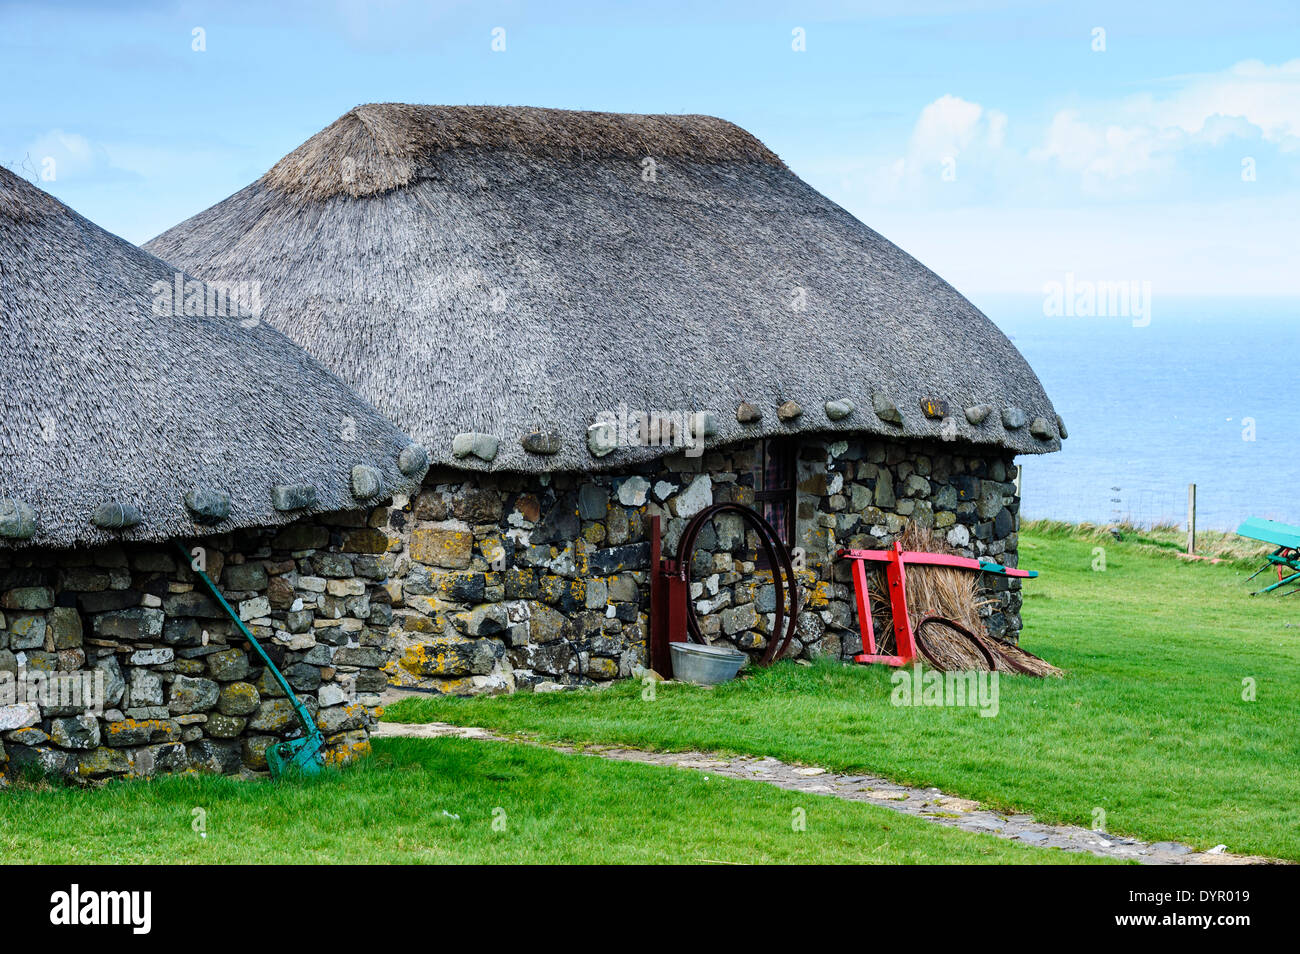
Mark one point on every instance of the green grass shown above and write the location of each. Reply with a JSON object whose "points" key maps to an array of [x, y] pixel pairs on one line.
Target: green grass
{"points": [[397, 807], [1167, 538], [1149, 724]]}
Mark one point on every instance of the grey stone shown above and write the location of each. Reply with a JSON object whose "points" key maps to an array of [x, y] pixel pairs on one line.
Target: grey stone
{"points": [[597, 594], [244, 576], [542, 442], [192, 695], [747, 413], [303, 677], [839, 409], [884, 493], [169, 757], [273, 715], [977, 413], [789, 411], [115, 515], [593, 502], [64, 627], [258, 607], [697, 495], [1041, 429], [222, 726], [27, 632], [146, 688], [367, 481], [211, 756], [17, 520], [1060, 428], [886, 409], [293, 496], [151, 657], [77, 732], [238, 699], [19, 716], [114, 684], [138, 623], [1013, 418], [487, 620], [28, 598], [729, 529], [230, 665], [413, 459], [333, 694], [193, 603], [208, 506], [623, 589], [602, 439], [739, 618], [632, 491], [555, 658], [365, 657], [482, 446]]}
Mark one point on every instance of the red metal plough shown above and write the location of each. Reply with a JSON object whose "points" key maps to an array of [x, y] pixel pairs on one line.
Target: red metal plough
{"points": [[896, 560]]}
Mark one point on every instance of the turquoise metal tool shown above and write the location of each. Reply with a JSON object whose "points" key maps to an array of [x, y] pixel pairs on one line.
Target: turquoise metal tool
{"points": [[1285, 559], [302, 756]]}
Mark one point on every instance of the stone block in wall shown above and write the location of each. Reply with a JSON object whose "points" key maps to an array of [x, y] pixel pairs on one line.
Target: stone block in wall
{"points": [[64, 627], [28, 598], [193, 695], [635, 556], [192, 604], [449, 547], [229, 665], [26, 632], [244, 576]]}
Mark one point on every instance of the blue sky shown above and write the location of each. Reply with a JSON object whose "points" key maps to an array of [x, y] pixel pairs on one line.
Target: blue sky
{"points": [[992, 140]]}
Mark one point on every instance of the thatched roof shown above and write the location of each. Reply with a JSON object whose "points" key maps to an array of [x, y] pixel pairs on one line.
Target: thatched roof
{"points": [[500, 271], [118, 412]]}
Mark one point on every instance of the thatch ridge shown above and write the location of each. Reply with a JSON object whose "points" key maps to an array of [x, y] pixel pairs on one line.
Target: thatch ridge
{"points": [[382, 146], [502, 293], [115, 410]]}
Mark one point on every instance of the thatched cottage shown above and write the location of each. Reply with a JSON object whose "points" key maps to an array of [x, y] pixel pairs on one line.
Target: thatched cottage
{"points": [[592, 318], [142, 409]]}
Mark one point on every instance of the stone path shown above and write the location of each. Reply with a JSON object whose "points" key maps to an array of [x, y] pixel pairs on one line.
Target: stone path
{"points": [[928, 803]]}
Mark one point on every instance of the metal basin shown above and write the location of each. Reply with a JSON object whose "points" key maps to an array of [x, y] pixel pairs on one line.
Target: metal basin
{"points": [[705, 665]]}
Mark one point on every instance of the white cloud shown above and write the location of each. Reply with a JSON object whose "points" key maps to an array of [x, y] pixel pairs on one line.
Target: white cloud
{"points": [[1266, 97], [945, 127], [72, 154], [1122, 140], [1102, 153]]}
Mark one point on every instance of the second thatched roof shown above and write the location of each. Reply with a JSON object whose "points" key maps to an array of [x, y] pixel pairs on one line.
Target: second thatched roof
{"points": [[499, 280], [140, 404]]}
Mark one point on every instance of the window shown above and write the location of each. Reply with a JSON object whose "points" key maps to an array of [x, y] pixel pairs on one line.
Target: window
{"points": [[774, 491]]}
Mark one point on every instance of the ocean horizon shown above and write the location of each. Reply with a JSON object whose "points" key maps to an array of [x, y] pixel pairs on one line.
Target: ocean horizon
{"points": [[1197, 390]]}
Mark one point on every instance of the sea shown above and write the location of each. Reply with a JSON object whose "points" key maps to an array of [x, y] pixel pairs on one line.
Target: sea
{"points": [[1202, 391]]}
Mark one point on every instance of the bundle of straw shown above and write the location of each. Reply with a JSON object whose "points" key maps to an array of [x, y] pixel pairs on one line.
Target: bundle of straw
{"points": [[950, 594]]}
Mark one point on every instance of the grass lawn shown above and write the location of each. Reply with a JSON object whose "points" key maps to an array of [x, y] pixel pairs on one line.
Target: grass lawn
{"points": [[421, 800], [1149, 724]]}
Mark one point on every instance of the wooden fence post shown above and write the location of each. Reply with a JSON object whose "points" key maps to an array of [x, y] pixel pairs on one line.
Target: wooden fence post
{"points": [[1191, 518]]}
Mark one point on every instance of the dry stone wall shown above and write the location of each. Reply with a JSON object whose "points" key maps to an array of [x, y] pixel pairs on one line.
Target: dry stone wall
{"points": [[115, 661], [512, 581]]}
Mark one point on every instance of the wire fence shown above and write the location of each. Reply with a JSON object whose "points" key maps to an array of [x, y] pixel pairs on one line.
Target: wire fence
{"points": [[1134, 506]]}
